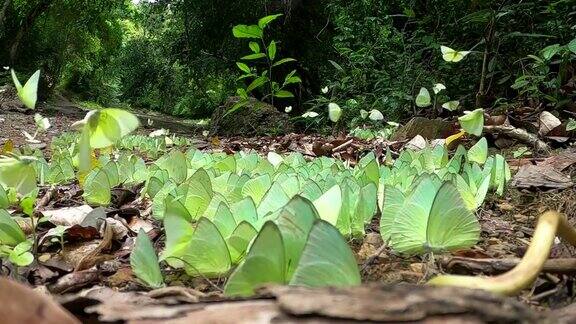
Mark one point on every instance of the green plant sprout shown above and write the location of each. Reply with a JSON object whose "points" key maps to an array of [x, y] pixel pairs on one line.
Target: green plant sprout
{"points": [[262, 50]]}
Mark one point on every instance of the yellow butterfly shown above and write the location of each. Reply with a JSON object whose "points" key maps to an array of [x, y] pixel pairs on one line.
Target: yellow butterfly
{"points": [[450, 55]]}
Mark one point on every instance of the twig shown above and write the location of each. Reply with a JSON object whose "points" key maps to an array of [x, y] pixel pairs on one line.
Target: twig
{"points": [[342, 146], [495, 266], [43, 202], [519, 134], [373, 257]]}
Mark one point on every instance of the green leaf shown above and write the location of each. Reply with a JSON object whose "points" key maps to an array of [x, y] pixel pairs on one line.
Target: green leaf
{"points": [[479, 152], [263, 22], [255, 47], [327, 260], [572, 46], [21, 255], [144, 262], [473, 122], [253, 56], [549, 51], [243, 67], [423, 98], [283, 94], [336, 65], [272, 50], [247, 31], [283, 61], [10, 232], [257, 83], [571, 125]]}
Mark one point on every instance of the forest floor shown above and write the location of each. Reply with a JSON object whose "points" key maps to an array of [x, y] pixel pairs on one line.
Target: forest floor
{"points": [[507, 227]]}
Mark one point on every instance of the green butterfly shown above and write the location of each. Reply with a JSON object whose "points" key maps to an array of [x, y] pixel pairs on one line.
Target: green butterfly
{"points": [[325, 260], [100, 129], [28, 93], [334, 112], [451, 55], [479, 152], [97, 188], [434, 219], [473, 122], [423, 98], [18, 173], [144, 262]]}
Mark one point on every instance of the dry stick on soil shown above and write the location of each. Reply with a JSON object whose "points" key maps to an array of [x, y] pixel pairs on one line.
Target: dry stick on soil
{"points": [[524, 274], [519, 134], [373, 257], [496, 266], [43, 202]]}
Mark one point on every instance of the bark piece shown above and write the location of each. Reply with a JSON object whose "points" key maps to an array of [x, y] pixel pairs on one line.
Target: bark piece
{"points": [[402, 303], [541, 176], [21, 304], [378, 303]]}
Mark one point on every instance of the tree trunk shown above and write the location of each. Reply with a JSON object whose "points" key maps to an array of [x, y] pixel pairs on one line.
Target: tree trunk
{"points": [[25, 26], [3, 14]]}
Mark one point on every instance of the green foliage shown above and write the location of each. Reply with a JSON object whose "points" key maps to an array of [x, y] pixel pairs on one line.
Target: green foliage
{"points": [[263, 80], [545, 75]]}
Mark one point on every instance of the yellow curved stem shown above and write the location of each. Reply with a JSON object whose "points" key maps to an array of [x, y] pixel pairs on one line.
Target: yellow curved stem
{"points": [[524, 274]]}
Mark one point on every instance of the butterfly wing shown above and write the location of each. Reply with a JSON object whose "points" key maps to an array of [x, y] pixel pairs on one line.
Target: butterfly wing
{"points": [[265, 263], [29, 93], [327, 260], [451, 225]]}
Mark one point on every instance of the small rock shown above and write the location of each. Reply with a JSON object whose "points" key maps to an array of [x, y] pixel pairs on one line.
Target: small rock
{"points": [[373, 239], [428, 128], [417, 143], [417, 267], [521, 218], [493, 241], [519, 234], [504, 206]]}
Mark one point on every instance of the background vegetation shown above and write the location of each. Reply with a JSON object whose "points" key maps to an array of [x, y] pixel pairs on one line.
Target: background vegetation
{"points": [[178, 56]]}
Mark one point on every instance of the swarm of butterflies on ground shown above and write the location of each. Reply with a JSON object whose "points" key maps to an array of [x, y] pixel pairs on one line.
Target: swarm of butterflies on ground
{"points": [[278, 219]]}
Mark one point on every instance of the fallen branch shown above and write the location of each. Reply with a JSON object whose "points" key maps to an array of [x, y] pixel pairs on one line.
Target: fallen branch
{"points": [[519, 134], [523, 275], [497, 266]]}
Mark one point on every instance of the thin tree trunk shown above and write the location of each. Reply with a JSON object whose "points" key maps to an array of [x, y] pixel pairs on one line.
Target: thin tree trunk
{"points": [[25, 26], [3, 14]]}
